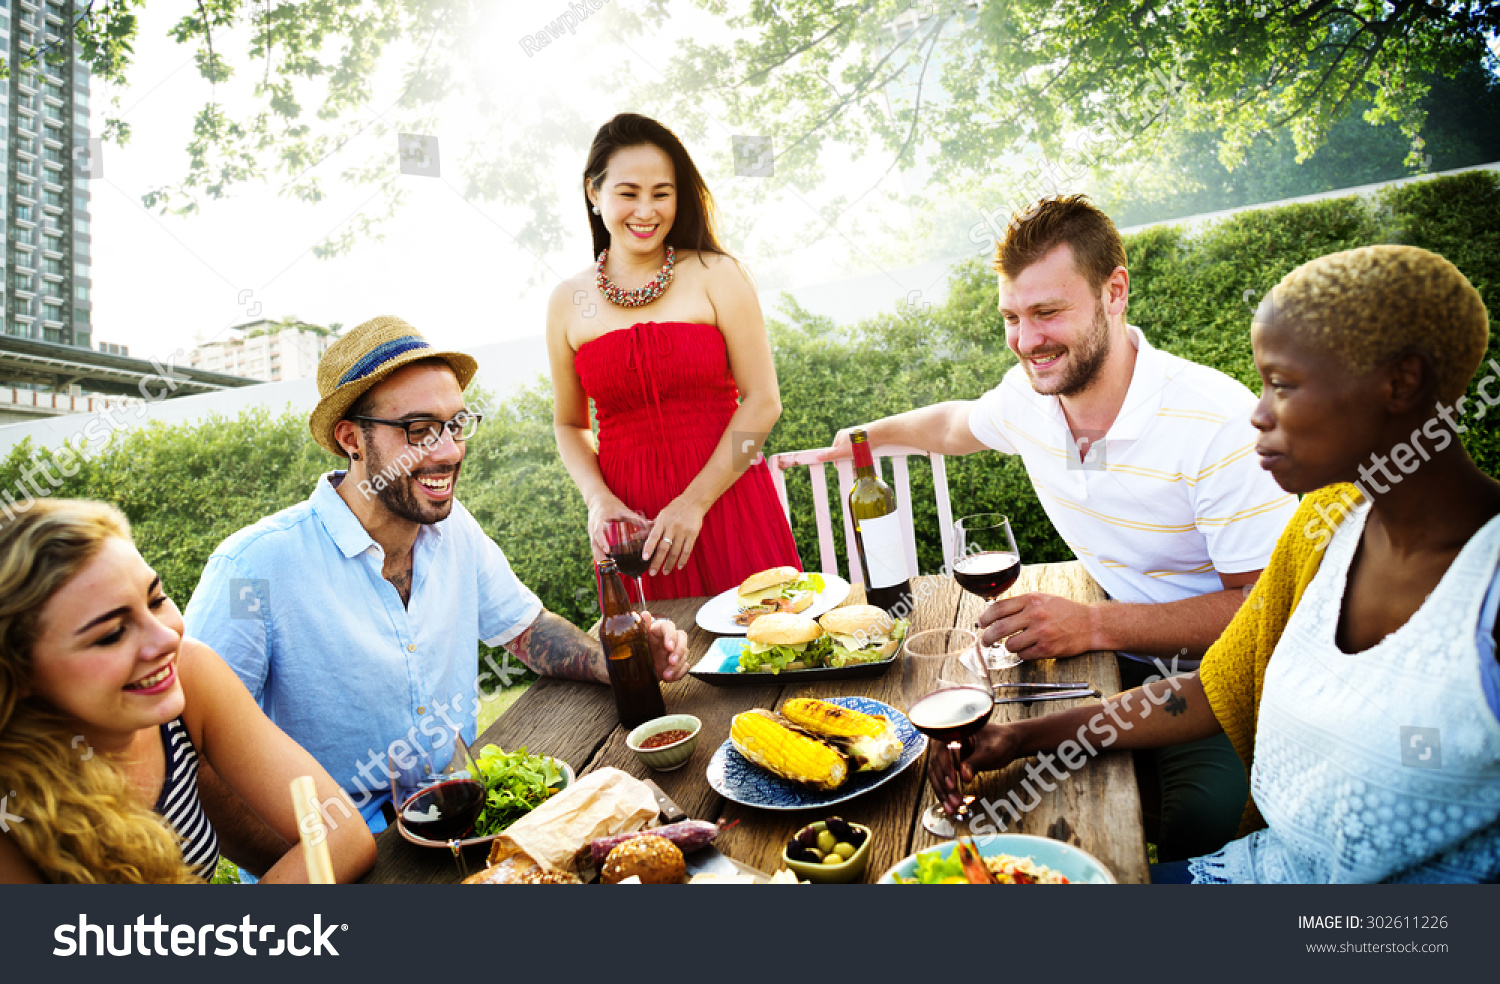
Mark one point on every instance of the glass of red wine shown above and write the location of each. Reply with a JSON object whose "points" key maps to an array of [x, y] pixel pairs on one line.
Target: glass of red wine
{"points": [[437, 803], [946, 685], [626, 539], [986, 562]]}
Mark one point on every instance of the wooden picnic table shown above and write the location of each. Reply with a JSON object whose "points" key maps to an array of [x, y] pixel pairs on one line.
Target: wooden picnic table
{"points": [[1097, 808]]}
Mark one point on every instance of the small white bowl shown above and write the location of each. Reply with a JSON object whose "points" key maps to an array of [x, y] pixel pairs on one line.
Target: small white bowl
{"points": [[667, 757]]}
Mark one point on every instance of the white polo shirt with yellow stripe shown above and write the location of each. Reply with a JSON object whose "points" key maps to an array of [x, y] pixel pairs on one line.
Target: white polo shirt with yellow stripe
{"points": [[1172, 496]]}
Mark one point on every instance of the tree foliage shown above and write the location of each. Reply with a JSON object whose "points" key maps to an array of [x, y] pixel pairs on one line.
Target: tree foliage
{"points": [[980, 80], [957, 85]]}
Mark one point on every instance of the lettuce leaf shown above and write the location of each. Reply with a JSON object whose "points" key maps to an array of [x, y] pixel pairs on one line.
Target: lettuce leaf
{"points": [[932, 869], [515, 783], [807, 582], [777, 658], [843, 656]]}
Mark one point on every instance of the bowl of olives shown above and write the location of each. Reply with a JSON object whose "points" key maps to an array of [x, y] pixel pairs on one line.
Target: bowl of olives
{"points": [[828, 852]]}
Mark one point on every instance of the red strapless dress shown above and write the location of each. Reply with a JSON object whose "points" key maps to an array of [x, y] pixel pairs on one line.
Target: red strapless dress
{"points": [[663, 396]]}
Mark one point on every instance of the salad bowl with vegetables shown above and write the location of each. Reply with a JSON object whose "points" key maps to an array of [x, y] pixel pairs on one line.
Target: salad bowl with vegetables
{"points": [[515, 783]]}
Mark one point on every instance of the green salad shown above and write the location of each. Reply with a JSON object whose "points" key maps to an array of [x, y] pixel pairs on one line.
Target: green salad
{"points": [[515, 783]]}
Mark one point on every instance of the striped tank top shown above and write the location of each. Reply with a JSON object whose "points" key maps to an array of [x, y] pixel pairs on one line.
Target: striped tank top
{"points": [[178, 802]]}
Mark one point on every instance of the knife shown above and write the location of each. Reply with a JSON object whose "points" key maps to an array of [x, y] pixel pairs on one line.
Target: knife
{"points": [[706, 859], [1072, 685], [1058, 695]]}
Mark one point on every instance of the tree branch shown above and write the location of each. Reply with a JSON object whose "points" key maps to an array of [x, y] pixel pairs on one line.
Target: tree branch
{"points": [[916, 115], [208, 37]]}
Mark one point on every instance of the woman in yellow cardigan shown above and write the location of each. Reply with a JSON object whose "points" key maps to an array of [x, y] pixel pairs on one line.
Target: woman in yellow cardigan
{"points": [[1359, 682]]}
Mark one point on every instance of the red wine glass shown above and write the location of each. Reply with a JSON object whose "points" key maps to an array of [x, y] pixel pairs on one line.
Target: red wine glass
{"points": [[986, 562], [626, 539], [946, 685], [437, 802]]}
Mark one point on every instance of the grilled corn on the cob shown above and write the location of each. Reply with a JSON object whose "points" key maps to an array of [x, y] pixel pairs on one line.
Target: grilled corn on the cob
{"points": [[773, 743], [831, 720], [870, 742]]}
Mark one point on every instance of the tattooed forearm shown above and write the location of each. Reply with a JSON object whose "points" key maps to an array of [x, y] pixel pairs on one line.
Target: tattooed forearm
{"points": [[553, 646]]}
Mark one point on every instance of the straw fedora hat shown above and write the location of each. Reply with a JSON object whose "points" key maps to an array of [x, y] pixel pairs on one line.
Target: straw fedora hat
{"points": [[366, 355]]}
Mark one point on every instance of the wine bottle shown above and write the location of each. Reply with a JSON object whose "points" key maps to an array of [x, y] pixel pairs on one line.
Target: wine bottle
{"points": [[627, 651], [877, 531]]}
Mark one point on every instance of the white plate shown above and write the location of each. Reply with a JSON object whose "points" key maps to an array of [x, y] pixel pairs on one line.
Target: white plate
{"points": [[718, 612]]}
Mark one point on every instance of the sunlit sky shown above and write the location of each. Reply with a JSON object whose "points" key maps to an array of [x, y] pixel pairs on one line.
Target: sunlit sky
{"points": [[448, 266]]}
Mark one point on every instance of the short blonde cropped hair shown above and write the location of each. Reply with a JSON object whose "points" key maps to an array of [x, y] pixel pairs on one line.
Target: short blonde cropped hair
{"points": [[1366, 306]]}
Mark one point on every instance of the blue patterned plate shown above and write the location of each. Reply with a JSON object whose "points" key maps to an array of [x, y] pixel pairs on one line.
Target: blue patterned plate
{"points": [[720, 666], [737, 778]]}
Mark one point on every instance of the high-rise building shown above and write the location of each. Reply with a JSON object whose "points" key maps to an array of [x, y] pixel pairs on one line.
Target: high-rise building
{"points": [[266, 350], [44, 149]]}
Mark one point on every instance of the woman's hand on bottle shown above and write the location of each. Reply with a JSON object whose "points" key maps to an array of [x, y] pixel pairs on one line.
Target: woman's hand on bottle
{"points": [[669, 646], [603, 509], [674, 535]]}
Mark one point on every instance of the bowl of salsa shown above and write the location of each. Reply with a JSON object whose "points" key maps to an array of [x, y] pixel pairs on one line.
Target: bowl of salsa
{"points": [[667, 742]]}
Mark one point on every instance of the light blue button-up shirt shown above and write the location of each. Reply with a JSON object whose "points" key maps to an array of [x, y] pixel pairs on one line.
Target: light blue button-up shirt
{"points": [[298, 606]]}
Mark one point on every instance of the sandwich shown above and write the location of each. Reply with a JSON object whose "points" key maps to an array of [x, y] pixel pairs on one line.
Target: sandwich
{"points": [[783, 641], [780, 589], [861, 634]]}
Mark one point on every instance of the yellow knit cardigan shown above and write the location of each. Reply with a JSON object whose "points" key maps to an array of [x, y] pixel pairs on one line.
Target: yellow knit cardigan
{"points": [[1234, 668]]}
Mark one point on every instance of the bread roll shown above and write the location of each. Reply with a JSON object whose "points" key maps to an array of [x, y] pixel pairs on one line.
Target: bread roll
{"points": [[654, 860]]}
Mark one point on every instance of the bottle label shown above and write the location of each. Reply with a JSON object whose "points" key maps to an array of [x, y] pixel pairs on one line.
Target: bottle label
{"points": [[885, 558]]}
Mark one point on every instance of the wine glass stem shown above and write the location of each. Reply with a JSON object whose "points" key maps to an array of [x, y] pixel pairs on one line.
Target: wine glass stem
{"points": [[961, 815], [640, 592]]}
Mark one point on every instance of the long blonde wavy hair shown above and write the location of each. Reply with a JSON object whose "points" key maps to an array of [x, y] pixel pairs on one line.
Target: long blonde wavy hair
{"points": [[80, 822]]}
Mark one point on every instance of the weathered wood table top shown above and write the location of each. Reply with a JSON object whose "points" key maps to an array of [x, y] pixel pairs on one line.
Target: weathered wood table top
{"points": [[1096, 808]]}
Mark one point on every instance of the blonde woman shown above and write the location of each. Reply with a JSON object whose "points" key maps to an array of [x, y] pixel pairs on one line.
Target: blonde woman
{"points": [[105, 709]]}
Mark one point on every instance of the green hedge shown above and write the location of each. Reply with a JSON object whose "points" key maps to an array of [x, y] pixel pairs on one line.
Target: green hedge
{"points": [[187, 487]]}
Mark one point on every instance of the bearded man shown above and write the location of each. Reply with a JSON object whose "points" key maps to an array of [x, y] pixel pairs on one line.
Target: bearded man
{"points": [[1145, 463], [353, 617]]}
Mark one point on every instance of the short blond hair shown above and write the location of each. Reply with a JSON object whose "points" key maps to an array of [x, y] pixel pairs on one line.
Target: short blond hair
{"points": [[1367, 306]]}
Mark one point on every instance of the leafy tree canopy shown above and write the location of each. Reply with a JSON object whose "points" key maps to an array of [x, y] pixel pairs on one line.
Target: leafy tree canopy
{"points": [[956, 84]]}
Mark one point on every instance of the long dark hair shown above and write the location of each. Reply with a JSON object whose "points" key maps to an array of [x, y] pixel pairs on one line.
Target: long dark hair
{"points": [[693, 228]]}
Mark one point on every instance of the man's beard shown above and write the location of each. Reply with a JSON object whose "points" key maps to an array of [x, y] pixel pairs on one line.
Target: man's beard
{"points": [[1084, 361], [400, 499]]}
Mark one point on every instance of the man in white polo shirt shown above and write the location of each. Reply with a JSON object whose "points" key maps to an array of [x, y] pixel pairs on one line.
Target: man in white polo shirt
{"points": [[1146, 465]]}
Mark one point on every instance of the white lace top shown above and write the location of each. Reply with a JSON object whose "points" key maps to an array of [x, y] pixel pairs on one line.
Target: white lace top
{"points": [[1382, 765]]}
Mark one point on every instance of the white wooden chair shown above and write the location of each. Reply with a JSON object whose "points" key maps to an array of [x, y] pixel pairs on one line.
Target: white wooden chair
{"points": [[828, 561]]}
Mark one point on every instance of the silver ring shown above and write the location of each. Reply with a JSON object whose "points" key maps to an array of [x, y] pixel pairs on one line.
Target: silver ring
{"points": [[667, 540]]}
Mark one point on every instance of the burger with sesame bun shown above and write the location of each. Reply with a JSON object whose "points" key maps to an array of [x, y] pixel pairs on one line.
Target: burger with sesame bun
{"points": [[861, 634], [783, 641]]}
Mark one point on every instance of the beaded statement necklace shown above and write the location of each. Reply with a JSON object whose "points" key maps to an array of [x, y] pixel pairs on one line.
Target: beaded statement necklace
{"points": [[641, 296]]}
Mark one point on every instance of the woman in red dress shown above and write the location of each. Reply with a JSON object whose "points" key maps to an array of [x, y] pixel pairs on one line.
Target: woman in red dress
{"points": [[665, 334]]}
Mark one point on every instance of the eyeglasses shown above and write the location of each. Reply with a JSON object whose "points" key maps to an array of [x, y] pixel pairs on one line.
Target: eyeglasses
{"points": [[428, 431]]}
